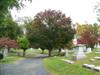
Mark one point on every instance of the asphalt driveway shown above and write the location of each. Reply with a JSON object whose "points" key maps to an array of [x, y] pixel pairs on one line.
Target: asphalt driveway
{"points": [[29, 66]]}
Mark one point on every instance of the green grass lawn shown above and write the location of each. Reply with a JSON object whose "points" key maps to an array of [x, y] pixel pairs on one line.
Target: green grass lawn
{"points": [[32, 53], [29, 53], [58, 67], [10, 59]]}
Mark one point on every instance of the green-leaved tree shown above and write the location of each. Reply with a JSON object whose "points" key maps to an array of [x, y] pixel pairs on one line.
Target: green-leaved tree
{"points": [[50, 30], [23, 43]]}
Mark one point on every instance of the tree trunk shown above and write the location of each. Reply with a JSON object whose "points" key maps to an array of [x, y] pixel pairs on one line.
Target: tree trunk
{"points": [[59, 51], [42, 51], [8, 50], [49, 53], [24, 52]]}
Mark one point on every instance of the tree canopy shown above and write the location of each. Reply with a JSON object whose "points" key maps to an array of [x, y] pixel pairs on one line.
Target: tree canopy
{"points": [[50, 30], [23, 43], [89, 34], [6, 5], [8, 42], [10, 28]]}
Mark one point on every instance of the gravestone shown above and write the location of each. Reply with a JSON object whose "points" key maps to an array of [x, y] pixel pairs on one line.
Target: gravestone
{"points": [[63, 50], [98, 45], [97, 52], [84, 48], [95, 46], [80, 52], [66, 52], [88, 50], [92, 60], [97, 68], [5, 51]]}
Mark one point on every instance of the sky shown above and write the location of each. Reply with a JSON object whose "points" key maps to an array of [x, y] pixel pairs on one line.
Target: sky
{"points": [[80, 11]]}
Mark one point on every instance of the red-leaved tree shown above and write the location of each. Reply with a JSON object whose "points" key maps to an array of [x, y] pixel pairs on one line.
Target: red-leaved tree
{"points": [[8, 42], [89, 37]]}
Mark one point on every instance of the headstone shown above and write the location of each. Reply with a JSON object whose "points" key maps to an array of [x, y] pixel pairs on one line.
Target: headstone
{"points": [[84, 48], [98, 58], [98, 45], [75, 41], [80, 53], [95, 46], [88, 50], [89, 66], [68, 61], [31, 48], [62, 50], [0, 51], [39, 48], [97, 68], [66, 52], [97, 52], [92, 60], [5, 51]]}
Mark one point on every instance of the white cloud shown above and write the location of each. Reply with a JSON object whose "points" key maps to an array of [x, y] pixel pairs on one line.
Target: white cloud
{"points": [[79, 10]]}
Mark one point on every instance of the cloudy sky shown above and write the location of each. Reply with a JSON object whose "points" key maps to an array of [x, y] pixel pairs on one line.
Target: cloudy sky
{"points": [[80, 11]]}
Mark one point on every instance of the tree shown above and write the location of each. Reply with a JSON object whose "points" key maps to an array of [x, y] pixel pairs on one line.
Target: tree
{"points": [[70, 45], [9, 43], [6, 5], [51, 30], [10, 28], [23, 43], [90, 35], [81, 28], [36, 41]]}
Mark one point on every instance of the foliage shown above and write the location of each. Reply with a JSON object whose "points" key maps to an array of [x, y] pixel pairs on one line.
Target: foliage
{"points": [[8, 42], [6, 5], [89, 35], [81, 29], [23, 43], [10, 28], [50, 29], [70, 45]]}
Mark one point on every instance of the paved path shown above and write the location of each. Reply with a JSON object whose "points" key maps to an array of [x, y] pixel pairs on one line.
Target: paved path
{"points": [[30, 66]]}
